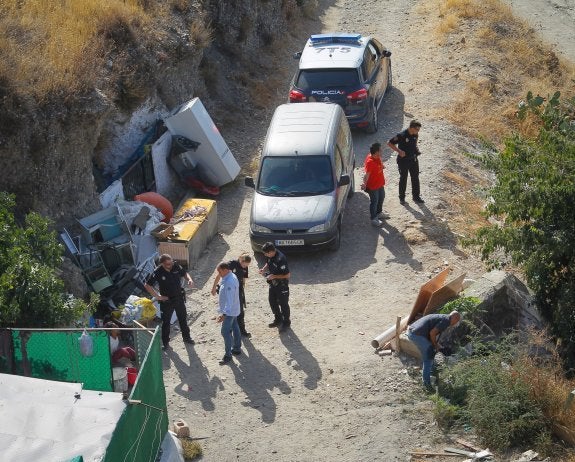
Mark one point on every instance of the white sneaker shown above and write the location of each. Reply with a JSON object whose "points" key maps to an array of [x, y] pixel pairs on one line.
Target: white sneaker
{"points": [[376, 222], [383, 215]]}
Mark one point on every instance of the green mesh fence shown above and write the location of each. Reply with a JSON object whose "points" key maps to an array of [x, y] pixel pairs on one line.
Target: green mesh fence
{"points": [[56, 355], [141, 429]]}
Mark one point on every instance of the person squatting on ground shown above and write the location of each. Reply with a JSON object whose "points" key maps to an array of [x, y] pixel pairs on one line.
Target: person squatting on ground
{"points": [[424, 333], [405, 144], [373, 184], [276, 272], [117, 352], [240, 268], [172, 296], [229, 309]]}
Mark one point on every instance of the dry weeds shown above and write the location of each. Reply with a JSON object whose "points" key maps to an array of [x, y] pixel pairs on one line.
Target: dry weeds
{"points": [[513, 61], [201, 34], [547, 383], [49, 47]]}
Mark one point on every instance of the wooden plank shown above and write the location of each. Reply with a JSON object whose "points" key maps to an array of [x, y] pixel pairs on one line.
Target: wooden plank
{"points": [[444, 294], [444, 454], [467, 444], [425, 292], [461, 452], [141, 326], [397, 333]]}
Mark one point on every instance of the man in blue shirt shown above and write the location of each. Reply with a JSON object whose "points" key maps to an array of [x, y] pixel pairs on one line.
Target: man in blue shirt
{"points": [[229, 309], [425, 332]]}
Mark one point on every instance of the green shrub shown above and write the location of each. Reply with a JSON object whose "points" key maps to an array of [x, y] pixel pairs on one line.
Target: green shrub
{"points": [[465, 305], [495, 401], [532, 202], [445, 413], [31, 295]]}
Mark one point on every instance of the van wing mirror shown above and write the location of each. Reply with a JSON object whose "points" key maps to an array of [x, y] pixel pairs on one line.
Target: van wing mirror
{"points": [[297, 55], [249, 181], [387, 54], [344, 180]]}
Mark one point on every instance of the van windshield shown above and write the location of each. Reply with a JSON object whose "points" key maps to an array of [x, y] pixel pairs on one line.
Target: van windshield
{"points": [[295, 176]]}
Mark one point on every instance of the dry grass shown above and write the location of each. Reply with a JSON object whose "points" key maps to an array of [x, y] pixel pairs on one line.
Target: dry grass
{"points": [[448, 24], [547, 383], [512, 61], [192, 449], [465, 206], [309, 8], [201, 34], [48, 47]]}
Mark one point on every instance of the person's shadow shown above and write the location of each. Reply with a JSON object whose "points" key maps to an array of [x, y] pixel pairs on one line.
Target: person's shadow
{"points": [[396, 243], [195, 381], [257, 377], [301, 359]]}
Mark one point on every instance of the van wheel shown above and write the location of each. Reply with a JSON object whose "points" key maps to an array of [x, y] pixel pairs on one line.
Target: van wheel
{"points": [[372, 127], [352, 184], [336, 243]]}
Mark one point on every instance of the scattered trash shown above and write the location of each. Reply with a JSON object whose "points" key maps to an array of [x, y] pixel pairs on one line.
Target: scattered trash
{"points": [[527, 456]]}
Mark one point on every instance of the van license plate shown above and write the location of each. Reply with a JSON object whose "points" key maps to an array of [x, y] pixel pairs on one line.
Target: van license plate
{"points": [[286, 242]]}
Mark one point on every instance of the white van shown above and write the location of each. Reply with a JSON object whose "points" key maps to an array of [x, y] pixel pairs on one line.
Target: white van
{"points": [[304, 179]]}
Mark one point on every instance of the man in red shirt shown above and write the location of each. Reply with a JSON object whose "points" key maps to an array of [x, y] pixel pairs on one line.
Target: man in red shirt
{"points": [[373, 184]]}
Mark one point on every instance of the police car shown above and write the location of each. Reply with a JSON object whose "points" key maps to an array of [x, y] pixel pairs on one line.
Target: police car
{"points": [[348, 69]]}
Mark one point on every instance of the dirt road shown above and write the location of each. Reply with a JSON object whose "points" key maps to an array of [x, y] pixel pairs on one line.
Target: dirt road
{"points": [[318, 392]]}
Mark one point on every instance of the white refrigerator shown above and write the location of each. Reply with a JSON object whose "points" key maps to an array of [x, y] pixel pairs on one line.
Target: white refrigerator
{"points": [[193, 121]]}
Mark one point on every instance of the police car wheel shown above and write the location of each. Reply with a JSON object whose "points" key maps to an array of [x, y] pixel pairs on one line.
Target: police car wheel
{"points": [[372, 127]]}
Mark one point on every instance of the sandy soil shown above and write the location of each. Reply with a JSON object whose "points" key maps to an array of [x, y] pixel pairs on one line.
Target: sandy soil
{"points": [[319, 392]]}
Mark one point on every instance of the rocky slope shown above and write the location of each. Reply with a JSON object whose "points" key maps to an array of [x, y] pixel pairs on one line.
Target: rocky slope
{"points": [[50, 149]]}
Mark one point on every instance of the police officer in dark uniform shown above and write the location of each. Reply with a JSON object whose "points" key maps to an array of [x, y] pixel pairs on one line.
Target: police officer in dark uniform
{"points": [[276, 271], [168, 276], [405, 144], [240, 268]]}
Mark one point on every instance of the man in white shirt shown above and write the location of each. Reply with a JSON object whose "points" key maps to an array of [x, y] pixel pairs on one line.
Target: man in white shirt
{"points": [[229, 309]]}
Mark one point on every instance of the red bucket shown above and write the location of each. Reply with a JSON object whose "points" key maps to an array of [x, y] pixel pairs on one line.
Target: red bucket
{"points": [[132, 375]]}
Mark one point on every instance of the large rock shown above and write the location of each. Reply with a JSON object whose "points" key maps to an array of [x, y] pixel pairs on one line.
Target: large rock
{"points": [[507, 302]]}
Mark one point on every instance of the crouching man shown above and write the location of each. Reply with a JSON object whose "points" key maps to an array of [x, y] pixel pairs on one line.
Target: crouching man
{"points": [[424, 333]]}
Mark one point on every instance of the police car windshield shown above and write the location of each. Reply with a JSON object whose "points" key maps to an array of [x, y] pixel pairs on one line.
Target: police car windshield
{"points": [[295, 176], [311, 79]]}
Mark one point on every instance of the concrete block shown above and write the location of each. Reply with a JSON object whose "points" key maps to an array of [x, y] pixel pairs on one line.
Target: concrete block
{"points": [[181, 428]]}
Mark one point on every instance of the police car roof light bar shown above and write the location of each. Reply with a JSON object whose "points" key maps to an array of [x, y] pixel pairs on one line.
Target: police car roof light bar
{"points": [[319, 39]]}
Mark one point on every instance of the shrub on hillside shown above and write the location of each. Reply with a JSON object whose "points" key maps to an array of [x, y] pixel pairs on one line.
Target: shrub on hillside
{"points": [[492, 399], [512, 393], [31, 294], [532, 202]]}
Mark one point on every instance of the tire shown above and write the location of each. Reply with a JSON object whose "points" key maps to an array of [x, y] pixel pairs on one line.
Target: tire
{"points": [[336, 243], [255, 248], [372, 127], [351, 184]]}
